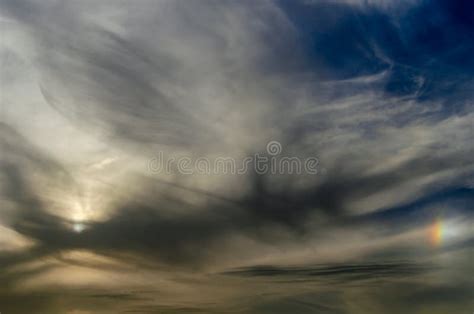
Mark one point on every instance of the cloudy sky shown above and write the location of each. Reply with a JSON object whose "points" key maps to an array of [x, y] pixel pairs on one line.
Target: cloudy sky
{"points": [[94, 94]]}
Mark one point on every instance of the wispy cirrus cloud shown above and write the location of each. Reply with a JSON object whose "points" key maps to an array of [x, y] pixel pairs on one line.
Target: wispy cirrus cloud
{"points": [[379, 93]]}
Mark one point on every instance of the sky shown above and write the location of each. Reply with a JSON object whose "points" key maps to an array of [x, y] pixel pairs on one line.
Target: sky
{"points": [[109, 111]]}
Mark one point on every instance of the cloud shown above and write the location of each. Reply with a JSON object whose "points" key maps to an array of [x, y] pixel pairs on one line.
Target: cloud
{"points": [[93, 92]]}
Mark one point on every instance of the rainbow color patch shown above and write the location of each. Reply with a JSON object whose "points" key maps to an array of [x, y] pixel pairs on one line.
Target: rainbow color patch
{"points": [[436, 233]]}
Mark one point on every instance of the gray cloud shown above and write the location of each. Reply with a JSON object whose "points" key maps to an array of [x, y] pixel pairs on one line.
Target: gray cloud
{"points": [[111, 84]]}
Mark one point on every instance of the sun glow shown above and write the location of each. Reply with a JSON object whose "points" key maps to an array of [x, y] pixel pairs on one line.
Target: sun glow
{"points": [[79, 215], [78, 227]]}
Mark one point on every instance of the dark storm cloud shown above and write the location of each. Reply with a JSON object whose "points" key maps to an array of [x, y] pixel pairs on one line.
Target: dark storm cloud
{"points": [[182, 239]]}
